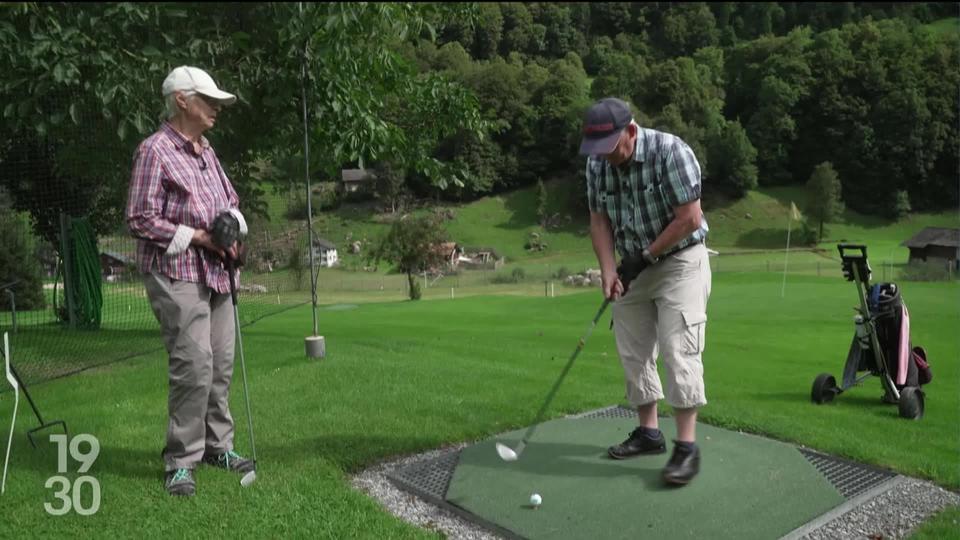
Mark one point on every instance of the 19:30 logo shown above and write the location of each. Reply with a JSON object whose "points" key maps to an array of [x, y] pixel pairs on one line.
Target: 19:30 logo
{"points": [[72, 496]]}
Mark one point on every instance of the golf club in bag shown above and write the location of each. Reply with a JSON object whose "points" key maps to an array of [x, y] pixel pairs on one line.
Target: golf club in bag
{"points": [[226, 231]]}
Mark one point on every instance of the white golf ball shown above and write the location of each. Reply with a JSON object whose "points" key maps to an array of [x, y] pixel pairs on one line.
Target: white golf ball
{"points": [[535, 499]]}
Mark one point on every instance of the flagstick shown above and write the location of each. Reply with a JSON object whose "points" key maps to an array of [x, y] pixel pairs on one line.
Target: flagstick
{"points": [[786, 254]]}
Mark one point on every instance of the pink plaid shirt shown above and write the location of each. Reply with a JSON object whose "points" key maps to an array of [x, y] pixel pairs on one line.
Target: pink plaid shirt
{"points": [[171, 185]]}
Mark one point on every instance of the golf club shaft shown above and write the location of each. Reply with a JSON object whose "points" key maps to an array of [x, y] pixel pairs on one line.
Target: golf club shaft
{"points": [[243, 364], [563, 374]]}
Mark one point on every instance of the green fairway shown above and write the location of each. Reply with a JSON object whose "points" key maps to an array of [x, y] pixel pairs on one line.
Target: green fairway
{"points": [[403, 377]]}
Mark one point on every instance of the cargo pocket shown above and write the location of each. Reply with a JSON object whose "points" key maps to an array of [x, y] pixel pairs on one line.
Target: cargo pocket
{"points": [[694, 338]]}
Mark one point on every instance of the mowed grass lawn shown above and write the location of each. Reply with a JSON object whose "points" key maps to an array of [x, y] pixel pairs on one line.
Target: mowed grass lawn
{"points": [[404, 377]]}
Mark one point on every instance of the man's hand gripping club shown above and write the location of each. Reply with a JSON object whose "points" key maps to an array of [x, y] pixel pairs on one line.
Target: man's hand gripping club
{"points": [[617, 285]]}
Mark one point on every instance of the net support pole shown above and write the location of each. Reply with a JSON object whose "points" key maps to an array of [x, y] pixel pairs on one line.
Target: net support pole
{"points": [[314, 345], [67, 268]]}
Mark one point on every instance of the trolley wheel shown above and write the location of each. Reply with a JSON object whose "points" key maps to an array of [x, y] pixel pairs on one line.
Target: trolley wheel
{"points": [[824, 388], [911, 403]]}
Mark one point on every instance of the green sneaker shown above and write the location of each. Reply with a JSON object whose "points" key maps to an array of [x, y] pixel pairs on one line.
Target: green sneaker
{"points": [[180, 483], [230, 461]]}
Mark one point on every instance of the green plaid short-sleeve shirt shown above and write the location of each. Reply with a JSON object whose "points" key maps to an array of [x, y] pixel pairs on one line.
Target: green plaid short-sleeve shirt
{"points": [[639, 196]]}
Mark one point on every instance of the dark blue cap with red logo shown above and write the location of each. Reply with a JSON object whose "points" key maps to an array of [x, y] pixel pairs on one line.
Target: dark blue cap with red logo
{"points": [[602, 126]]}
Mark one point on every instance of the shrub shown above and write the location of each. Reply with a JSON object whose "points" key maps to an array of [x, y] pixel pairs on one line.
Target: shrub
{"points": [[933, 270], [516, 276], [19, 262], [326, 197]]}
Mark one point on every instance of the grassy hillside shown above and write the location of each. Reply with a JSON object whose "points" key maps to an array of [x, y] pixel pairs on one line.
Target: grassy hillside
{"points": [[750, 233], [759, 221], [943, 26]]}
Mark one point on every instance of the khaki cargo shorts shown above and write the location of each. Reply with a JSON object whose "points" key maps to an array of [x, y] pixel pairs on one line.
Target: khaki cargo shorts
{"points": [[665, 313]]}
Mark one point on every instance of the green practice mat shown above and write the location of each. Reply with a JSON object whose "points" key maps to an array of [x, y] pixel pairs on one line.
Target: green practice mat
{"points": [[748, 486]]}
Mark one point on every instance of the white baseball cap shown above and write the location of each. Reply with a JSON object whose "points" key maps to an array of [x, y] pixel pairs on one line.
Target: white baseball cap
{"points": [[192, 79]]}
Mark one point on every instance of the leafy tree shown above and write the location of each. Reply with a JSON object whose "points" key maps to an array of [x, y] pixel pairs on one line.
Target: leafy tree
{"points": [[488, 32], [542, 204], [884, 111], [412, 245], [610, 18], [452, 57], [72, 106], [296, 263], [686, 27], [619, 74], [372, 104], [559, 32], [67, 93], [18, 263], [762, 18], [518, 30], [390, 184], [901, 205], [597, 55], [825, 203], [732, 160], [768, 78], [480, 159], [560, 103]]}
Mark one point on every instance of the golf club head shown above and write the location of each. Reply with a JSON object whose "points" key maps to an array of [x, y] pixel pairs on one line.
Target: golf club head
{"points": [[507, 453], [249, 478]]}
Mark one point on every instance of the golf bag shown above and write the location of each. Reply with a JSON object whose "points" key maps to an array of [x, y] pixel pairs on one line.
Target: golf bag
{"points": [[881, 343], [907, 365]]}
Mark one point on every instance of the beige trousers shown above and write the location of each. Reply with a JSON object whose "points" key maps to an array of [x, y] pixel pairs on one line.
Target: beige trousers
{"points": [[198, 332], [665, 313]]}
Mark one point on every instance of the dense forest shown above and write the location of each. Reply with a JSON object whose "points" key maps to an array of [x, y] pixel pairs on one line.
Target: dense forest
{"points": [[457, 101], [764, 92]]}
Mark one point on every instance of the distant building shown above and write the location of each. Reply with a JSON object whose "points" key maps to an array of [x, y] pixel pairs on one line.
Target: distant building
{"points": [[935, 243], [451, 253], [481, 258], [354, 179], [324, 253], [114, 265]]}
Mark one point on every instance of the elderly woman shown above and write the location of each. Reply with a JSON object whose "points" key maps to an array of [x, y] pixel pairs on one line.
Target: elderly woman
{"points": [[176, 191]]}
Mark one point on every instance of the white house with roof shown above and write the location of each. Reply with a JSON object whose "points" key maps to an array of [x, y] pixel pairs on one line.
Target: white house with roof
{"points": [[324, 253]]}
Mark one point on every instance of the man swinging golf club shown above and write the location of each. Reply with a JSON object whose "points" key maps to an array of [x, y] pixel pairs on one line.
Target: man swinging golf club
{"points": [[643, 190], [177, 190]]}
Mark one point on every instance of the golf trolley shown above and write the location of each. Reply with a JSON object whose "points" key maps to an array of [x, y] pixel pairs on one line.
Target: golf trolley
{"points": [[881, 343]]}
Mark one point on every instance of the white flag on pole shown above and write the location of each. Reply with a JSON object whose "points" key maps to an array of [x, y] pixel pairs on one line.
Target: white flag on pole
{"points": [[794, 214]]}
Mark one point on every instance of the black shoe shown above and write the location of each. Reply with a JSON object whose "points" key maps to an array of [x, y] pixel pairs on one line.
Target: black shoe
{"points": [[638, 444], [180, 482], [684, 464], [230, 461]]}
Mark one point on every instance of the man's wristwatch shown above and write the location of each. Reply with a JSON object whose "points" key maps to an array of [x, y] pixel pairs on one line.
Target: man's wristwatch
{"points": [[647, 256]]}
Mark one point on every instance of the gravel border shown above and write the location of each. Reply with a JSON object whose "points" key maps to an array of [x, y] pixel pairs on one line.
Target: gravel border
{"points": [[893, 514], [892, 510], [374, 482]]}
